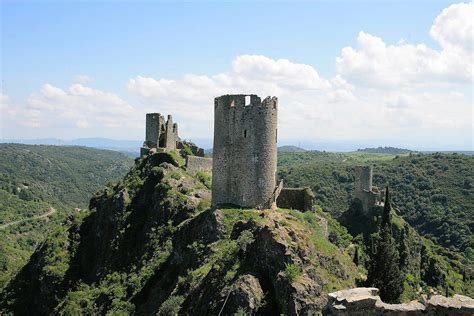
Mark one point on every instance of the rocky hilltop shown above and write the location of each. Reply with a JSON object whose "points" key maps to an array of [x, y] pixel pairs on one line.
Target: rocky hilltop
{"points": [[151, 244]]}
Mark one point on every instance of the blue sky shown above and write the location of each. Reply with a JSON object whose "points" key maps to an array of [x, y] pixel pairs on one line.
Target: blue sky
{"points": [[114, 42]]}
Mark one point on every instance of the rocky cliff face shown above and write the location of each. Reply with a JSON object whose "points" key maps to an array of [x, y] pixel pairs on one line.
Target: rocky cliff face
{"points": [[152, 245]]}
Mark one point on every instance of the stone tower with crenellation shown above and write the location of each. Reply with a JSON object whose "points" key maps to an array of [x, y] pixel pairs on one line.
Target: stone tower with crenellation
{"points": [[245, 151]]}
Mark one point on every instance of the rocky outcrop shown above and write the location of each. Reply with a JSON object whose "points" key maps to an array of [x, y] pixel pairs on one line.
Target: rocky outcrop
{"points": [[246, 293], [456, 305], [365, 301]]}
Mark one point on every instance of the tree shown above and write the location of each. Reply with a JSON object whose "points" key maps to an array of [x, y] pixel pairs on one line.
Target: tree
{"points": [[384, 272], [387, 208], [356, 256]]}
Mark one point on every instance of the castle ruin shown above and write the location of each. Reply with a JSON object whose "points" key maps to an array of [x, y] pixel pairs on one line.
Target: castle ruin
{"points": [[368, 194], [245, 151], [159, 134]]}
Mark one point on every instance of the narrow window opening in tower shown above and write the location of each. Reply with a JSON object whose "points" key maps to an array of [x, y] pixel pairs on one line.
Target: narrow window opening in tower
{"points": [[245, 133], [247, 100], [276, 135]]}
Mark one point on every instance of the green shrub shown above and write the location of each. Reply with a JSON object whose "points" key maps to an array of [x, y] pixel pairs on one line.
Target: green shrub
{"points": [[204, 178], [204, 204], [175, 175], [187, 151], [292, 272]]}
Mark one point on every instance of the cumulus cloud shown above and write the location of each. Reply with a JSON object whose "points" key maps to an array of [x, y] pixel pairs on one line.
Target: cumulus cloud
{"points": [[191, 97], [375, 63], [452, 28], [379, 89], [77, 110], [81, 106], [386, 91]]}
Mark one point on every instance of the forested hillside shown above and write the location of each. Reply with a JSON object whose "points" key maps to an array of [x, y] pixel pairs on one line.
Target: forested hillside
{"points": [[163, 251], [40, 186], [433, 192]]}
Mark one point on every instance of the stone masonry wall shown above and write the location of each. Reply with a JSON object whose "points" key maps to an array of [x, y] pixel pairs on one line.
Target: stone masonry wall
{"points": [[363, 178], [152, 130], [244, 151], [170, 136], [296, 198], [363, 189], [195, 164], [366, 302], [159, 133]]}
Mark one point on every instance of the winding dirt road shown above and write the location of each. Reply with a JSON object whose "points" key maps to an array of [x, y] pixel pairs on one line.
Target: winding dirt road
{"points": [[51, 211]]}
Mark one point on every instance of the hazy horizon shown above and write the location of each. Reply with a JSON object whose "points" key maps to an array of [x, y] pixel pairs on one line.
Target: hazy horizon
{"points": [[134, 144]]}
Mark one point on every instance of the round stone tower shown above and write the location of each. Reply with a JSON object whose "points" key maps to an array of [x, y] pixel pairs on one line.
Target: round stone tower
{"points": [[245, 151]]}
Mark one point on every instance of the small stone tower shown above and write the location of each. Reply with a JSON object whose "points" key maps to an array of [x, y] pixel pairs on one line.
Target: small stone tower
{"points": [[154, 123], [364, 190], [159, 133], [363, 179], [170, 135], [245, 151]]}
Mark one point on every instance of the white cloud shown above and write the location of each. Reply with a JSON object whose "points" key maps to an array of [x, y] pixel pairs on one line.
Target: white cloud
{"points": [[83, 106], [396, 91], [453, 30], [375, 63], [82, 79], [380, 90], [78, 110], [190, 99]]}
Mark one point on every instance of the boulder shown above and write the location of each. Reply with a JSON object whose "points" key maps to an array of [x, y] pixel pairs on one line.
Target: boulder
{"points": [[245, 294], [456, 305]]}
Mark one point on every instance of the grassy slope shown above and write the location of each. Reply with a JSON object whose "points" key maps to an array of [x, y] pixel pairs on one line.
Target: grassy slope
{"points": [[35, 178]]}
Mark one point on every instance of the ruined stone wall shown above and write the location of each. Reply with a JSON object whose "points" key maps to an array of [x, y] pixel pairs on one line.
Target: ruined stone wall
{"points": [[159, 133], [152, 129], [196, 150], [363, 178], [170, 136], [296, 198], [195, 164], [366, 302], [363, 189], [244, 151]]}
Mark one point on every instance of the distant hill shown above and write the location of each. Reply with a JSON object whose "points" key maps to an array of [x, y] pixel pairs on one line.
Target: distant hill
{"points": [[128, 147], [37, 179], [385, 150], [292, 149]]}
